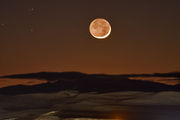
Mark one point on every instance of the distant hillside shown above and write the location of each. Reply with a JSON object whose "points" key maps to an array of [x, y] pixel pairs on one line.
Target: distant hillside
{"points": [[56, 75], [170, 74], [87, 83], [47, 75]]}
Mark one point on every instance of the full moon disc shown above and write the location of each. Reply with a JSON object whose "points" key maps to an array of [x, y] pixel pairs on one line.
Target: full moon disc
{"points": [[100, 28]]}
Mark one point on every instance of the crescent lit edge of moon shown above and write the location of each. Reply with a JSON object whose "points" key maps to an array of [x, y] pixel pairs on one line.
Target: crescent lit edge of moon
{"points": [[105, 35]]}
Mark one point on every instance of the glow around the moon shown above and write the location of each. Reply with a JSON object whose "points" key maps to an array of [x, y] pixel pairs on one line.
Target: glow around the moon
{"points": [[100, 28]]}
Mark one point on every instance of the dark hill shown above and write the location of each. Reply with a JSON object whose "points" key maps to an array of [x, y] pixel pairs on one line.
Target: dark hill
{"points": [[48, 75], [84, 83]]}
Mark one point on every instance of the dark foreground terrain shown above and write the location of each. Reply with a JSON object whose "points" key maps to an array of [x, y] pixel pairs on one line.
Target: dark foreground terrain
{"points": [[76, 96]]}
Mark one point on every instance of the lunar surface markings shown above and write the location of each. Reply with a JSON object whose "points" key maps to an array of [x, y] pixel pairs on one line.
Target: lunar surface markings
{"points": [[100, 28]]}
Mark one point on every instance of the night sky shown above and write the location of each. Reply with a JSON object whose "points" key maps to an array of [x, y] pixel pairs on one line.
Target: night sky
{"points": [[53, 35]]}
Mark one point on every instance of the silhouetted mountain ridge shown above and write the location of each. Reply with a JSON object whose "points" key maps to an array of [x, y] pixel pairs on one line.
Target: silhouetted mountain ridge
{"points": [[170, 74], [56, 75], [47, 75], [88, 83]]}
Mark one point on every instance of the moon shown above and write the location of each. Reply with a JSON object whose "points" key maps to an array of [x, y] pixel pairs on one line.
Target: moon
{"points": [[100, 28]]}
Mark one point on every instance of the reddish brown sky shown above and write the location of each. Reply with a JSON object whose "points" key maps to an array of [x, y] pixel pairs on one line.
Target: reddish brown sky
{"points": [[52, 35]]}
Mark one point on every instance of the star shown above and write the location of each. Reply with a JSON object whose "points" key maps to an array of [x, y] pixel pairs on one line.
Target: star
{"points": [[31, 28], [32, 11], [2, 24]]}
